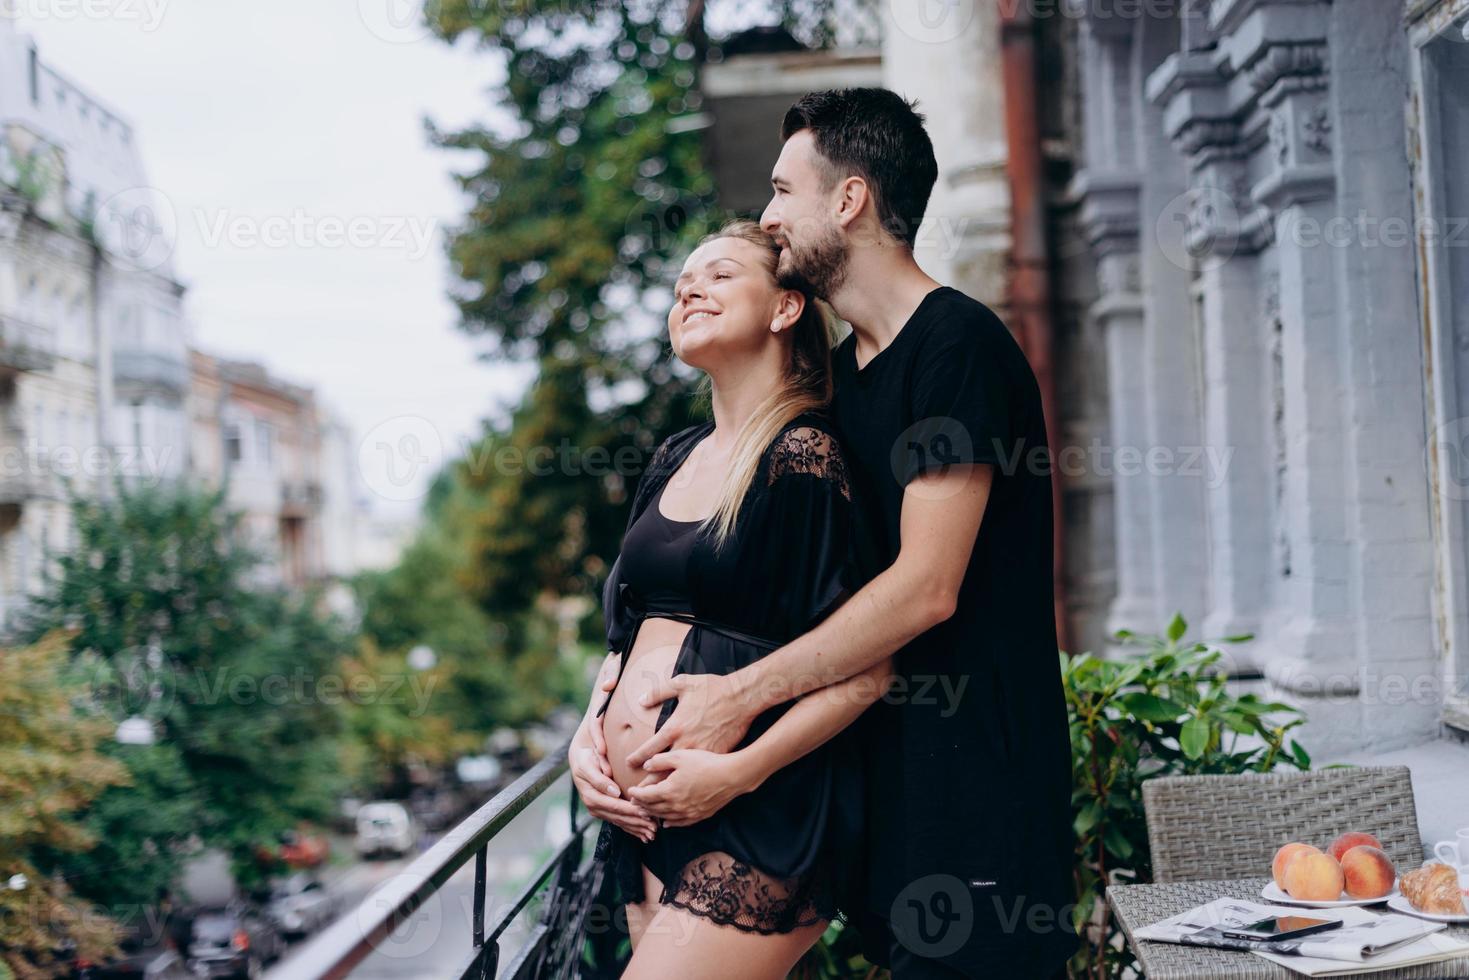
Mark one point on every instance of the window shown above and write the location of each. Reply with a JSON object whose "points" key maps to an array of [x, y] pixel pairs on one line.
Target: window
{"points": [[232, 447], [1440, 77], [265, 442]]}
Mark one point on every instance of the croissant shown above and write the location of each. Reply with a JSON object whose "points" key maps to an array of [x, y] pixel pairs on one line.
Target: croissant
{"points": [[1434, 889]]}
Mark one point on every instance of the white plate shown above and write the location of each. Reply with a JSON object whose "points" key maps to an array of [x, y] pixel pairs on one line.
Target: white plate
{"points": [[1277, 894], [1400, 903]]}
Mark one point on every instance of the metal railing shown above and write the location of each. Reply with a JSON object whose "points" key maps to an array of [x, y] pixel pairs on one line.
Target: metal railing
{"points": [[151, 368], [26, 346], [554, 945]]}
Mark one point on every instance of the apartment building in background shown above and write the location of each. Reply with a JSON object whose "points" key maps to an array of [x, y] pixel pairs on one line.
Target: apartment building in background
{"points": [[286, 464], [97, 374]]}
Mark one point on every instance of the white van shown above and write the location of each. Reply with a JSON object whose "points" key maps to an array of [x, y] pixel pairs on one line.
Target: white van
{"points": [[385, 827]]}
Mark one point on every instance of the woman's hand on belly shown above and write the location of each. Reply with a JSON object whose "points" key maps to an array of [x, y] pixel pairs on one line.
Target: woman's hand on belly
{"points": [[693, 784], [600, 795], [591, 772]]}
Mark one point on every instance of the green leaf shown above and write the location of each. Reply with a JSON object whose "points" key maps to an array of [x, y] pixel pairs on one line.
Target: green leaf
{"points": [[1087, 818], [1302, 757], [1118, 844], [1150, 707], [1238, 721], [1177, 627], [1194, 738]]}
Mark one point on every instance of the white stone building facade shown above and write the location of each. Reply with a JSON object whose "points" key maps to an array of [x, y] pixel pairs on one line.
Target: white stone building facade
{"points": [[1274, 194], [95, 368], [95, 353]]}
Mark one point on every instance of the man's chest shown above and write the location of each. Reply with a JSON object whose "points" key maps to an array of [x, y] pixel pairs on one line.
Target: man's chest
{"points": [[870, 424]]}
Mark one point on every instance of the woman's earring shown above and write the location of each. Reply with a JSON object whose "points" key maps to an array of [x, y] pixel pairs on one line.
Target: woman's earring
{"points": [[775, 326]]}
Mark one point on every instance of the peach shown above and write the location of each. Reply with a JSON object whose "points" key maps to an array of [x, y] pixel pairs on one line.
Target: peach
{"points": [[1350, 840], [1367, 871], [1313, 878], [1284, 856]]}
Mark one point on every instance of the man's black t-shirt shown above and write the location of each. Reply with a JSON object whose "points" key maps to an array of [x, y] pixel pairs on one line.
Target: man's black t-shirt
{"points": [[969, 762]]}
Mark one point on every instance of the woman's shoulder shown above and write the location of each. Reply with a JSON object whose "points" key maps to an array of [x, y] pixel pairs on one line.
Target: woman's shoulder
{"points": [[810, 444]]}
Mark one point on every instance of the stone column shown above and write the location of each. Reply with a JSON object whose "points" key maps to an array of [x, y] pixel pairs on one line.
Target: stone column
{"points": [[1388, 517], [950, 63], [1171, 378], [1108, 188], [1317, 636], [1224, 232]]}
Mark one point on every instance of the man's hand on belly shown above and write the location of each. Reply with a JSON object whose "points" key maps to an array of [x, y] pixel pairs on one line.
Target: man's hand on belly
{"points": [[709, 715]]}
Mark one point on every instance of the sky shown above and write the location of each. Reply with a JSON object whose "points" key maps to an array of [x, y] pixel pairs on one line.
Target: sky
{"points": [[288, 139]]}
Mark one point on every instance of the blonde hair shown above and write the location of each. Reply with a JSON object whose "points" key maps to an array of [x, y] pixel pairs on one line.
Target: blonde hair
{"points": [[805, 387]]}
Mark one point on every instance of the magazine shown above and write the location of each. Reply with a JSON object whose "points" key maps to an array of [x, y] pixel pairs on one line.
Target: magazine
{"points": [[1363, 935], [1432, 948]]}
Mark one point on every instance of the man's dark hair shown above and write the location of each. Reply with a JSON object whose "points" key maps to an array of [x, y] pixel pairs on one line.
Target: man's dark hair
{"points": [[877, 135]]}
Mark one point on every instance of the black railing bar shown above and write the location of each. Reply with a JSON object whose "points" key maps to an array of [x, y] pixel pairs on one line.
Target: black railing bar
{"points": [[529, 891], [535, 945], [481, 873], [350, 939], [475, 965]]}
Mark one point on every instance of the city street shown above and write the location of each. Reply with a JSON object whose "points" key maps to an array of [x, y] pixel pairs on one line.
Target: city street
{"points": [[437, 938]]}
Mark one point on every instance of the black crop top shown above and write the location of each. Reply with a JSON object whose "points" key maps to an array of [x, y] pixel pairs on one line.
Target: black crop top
{"points": [[655, 557]]}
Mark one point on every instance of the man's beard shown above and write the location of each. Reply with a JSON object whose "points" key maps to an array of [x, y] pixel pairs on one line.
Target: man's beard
{"points": [[819, 268]]}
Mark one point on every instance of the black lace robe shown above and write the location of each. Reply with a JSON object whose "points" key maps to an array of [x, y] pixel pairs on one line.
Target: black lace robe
{"points": [[781, 856]]}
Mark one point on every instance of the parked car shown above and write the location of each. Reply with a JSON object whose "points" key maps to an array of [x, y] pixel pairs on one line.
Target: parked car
{"points": [[296, 849], [345, 819], [299, 904], [235, 942], [435, 809], [154, 964], [385, 826], [147, 948]]}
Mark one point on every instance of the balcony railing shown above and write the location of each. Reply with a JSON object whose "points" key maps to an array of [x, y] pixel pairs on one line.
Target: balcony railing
{"points": [[150, 369], [26, 346], [554, 946], [300, 498]]}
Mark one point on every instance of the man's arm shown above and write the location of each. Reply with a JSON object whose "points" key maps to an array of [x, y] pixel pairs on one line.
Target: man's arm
{"points": [[941, 515]]}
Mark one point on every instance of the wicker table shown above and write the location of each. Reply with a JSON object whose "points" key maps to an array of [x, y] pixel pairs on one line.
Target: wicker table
{"points": [[1136, 906]]}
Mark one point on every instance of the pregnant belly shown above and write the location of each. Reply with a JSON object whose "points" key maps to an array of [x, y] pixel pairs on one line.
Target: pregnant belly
{"points": [[626, 724]]}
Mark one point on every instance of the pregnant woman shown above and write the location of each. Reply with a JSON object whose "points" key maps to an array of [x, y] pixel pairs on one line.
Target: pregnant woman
{"points": [[743, 535]]}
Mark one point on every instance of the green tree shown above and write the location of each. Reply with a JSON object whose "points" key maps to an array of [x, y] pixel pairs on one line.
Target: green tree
{"points": [[166, 613], [492, 675], [50, 771], [581, 208], [576, 209]]}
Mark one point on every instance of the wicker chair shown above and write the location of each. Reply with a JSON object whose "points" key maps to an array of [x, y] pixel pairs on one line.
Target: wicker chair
{"points": [[1206, 828]]}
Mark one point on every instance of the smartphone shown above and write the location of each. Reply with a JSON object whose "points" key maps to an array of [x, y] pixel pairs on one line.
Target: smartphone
{"points": [[1279, 927]]}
